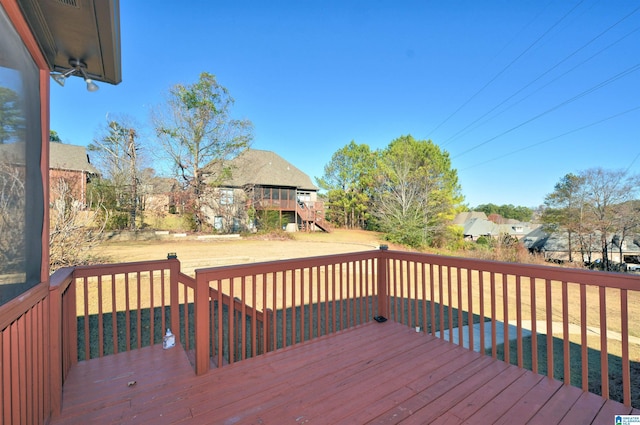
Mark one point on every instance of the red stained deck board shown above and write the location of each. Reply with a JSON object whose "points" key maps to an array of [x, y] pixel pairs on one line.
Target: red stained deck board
{"points": [[312, 365], [374, 393], [609, 410], [465, 363], [506, 400], [441, 384], [584, 409], [531, 402], [463, 400], [336, 371], [364, 387], [557, 406], [373, 373]]}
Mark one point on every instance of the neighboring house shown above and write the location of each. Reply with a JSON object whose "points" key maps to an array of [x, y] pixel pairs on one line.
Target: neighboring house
{"points": [[477, 227], [162, 195], [630, 248], [555, 247], [516, 228], [71, 164], [476, 224], [262, 180], [463, 217]]}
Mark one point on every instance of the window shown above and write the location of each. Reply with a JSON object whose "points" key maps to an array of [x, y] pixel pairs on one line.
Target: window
{"points": [[226, 196], [21, 193], [304, 197]]}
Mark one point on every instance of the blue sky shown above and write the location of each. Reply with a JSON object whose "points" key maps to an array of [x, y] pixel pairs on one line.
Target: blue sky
{"points": [[519, 93]]}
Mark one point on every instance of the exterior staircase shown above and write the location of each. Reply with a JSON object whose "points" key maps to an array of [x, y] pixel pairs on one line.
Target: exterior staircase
{"points": [[312, 216]]}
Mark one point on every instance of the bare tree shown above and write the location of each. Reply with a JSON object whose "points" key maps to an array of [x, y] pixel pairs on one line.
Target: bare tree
{"points": [[73, 230], [628, 214], [117, 154], [198, 134], [605, 191]]}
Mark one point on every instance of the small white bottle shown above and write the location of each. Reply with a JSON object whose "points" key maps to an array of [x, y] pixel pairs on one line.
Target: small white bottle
{"points": [[169, 340]]}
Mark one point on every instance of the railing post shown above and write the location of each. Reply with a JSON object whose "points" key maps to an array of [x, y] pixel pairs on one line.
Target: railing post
{"points": [[267, 338], [201, 302], [174, 270], [55, 349], [383, 295]]}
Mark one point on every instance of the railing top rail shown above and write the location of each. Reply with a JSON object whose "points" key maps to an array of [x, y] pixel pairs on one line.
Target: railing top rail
{"points": [[120, 268], [15, 308], [590, 277], [225, 272], [61, 278], [187, 280]]}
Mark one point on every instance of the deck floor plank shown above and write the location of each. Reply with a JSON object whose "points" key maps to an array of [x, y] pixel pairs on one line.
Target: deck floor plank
{"points": [[557, 406], [373, 373], [368, 386], [531, 402], [507, 400], [584, 409], [609, 410], [374, 391]]}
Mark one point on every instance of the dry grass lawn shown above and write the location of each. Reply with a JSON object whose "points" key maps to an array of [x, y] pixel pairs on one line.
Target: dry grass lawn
{"points": [[194, 253]]}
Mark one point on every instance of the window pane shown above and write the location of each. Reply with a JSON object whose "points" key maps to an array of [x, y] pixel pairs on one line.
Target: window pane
{"points": [[21, 196]]}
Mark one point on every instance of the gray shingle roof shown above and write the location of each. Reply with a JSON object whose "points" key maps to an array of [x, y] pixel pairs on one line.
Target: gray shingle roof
{"points": [[69, 157], [479, 227], [266, 168], [463, 217]]}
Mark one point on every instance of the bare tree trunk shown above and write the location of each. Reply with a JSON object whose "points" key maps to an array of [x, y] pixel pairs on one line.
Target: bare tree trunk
{"points": [[134, 178]]}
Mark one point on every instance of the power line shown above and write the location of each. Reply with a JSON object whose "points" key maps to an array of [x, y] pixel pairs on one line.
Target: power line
{"points": [[558, 137], [632, 162], [452, 138], [505, 68], [564, 103]]}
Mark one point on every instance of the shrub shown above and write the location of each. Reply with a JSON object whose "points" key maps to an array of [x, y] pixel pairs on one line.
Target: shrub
{"points": [[117, 221]]}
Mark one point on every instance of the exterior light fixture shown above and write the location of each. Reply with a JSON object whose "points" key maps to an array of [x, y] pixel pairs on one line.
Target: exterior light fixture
{"points": [[78, 68]]}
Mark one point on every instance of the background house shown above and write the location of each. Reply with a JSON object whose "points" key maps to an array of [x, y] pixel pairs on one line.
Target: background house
{"points": [[160, 195], [71, 164], [461, 218], [476, 224], [261, 180], [555, 247]]}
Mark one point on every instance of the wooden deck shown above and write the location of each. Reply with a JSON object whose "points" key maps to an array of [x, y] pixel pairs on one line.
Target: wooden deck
{"points": [[374, 373]]}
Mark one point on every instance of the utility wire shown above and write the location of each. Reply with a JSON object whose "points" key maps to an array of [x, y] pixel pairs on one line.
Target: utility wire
{"points": [[454, 137], [566, 102], [555, 79], [632, 162], [505, 68], [558, 137]]}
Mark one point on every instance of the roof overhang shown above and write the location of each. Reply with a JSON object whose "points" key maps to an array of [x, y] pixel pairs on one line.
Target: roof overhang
{"points": [[84, 30]]}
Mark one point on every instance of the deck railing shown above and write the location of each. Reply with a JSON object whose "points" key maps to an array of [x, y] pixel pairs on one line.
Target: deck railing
{"points": [[582, 327], [121, 307], [577, 326], [26, 358], [282, 303]]}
